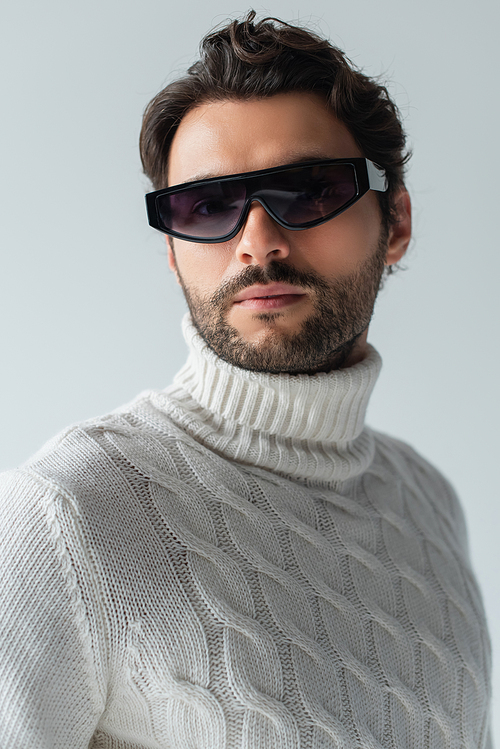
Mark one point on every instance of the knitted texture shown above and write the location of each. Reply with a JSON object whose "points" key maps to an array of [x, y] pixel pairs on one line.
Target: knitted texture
{"points": [[238, 563]]}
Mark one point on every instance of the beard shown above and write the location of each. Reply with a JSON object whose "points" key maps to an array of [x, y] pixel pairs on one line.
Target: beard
{"points": [[342, 310]]}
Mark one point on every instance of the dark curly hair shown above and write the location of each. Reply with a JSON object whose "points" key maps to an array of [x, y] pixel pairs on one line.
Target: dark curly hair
{"points": [[248, 59]]}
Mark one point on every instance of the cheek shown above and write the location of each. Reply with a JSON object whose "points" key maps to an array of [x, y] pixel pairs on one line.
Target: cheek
{"points": [[343, 244], [201, 267]]}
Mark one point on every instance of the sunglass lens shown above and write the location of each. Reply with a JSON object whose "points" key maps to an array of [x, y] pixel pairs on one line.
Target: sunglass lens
{"points": [[207, 211], [300, 197], [307, 194]]}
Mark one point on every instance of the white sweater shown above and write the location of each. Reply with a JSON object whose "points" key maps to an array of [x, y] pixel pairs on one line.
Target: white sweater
{"points": [[238, 563]]}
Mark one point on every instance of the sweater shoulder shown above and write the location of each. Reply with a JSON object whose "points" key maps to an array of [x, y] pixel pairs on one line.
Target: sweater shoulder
{"points": [[423, 482], [104, 451], [394, 452]]}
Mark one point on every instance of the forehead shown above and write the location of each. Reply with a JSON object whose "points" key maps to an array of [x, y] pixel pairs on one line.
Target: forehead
{"points": [[232, 136]]}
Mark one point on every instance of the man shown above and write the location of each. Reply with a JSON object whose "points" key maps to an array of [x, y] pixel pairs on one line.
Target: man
{"points": [[237, 561]]}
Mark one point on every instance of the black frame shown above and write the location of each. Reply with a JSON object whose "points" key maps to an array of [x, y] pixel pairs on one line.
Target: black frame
{"points": [[367, 175]]}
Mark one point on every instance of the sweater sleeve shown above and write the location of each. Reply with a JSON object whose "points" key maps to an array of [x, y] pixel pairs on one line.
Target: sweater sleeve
{"points": [[50, 693]]}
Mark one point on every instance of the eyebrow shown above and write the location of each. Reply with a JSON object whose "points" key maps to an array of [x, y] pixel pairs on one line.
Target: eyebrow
{"points": [[299, 160]]}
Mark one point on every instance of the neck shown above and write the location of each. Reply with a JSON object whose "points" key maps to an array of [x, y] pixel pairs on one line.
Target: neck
{"points": [[352, 353]]}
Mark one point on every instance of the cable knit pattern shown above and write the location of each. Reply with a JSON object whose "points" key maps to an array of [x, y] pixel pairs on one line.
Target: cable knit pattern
{"points": [[237, 563]]}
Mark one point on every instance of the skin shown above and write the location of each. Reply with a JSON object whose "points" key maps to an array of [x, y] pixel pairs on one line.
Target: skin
{"points": [[341, 259]]}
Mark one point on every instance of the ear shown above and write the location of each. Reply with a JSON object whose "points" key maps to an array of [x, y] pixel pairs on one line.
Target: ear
{"points": [[171, 259], [399, 232]]}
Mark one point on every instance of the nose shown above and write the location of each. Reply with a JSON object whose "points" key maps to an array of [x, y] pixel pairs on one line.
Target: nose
{"points": [[261, 240]]}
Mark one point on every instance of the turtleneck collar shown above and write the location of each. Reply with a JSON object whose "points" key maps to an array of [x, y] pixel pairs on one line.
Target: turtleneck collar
{"points": [[308, 427]]}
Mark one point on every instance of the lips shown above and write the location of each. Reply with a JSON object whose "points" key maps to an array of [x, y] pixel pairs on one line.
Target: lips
{"points": [[269, 290]]}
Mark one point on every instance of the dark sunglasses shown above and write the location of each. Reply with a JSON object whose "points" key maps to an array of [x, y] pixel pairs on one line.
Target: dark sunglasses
{"points": [[296, 196]]}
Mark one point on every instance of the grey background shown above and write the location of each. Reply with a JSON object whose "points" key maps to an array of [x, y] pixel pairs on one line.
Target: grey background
{"points": [[89, 311]]}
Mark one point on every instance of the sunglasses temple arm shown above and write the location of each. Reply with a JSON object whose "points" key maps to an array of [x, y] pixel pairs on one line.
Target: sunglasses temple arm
{"points": [[376, 177]]}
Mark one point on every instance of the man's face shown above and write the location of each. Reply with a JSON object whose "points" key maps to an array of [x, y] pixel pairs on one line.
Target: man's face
{"points": [[271, 299]]}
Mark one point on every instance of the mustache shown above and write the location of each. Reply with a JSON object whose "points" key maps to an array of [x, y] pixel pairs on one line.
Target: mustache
{"points": [[275, 272]]}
